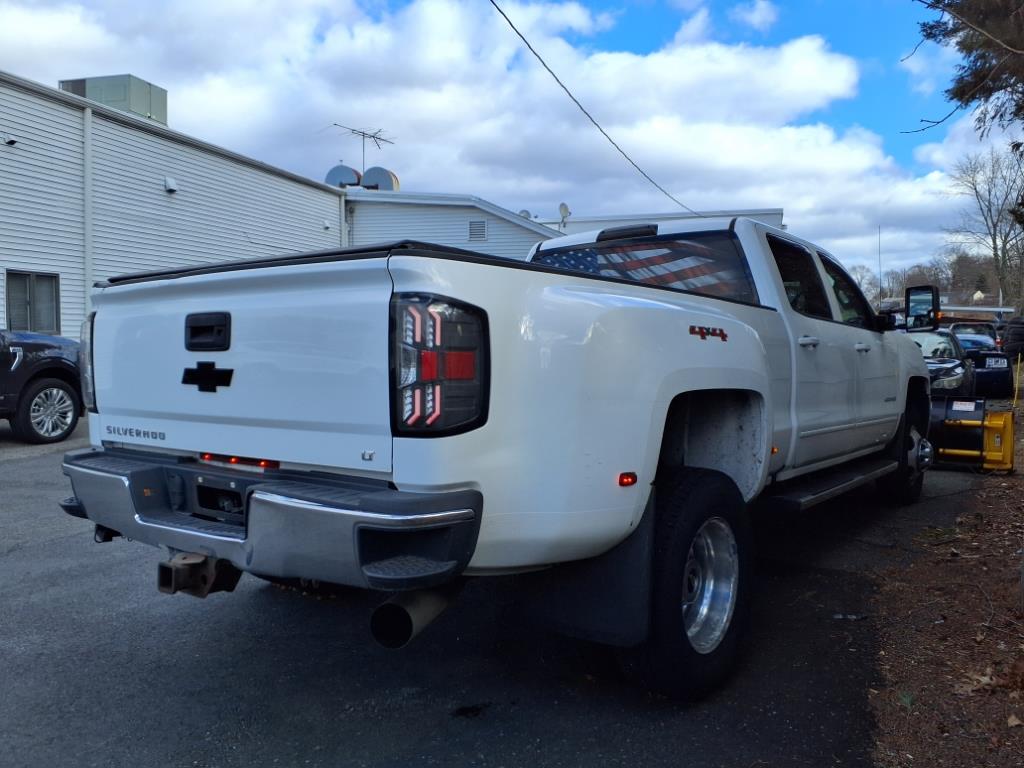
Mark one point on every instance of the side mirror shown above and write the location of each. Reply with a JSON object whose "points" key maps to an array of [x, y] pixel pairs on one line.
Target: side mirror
{"points": [[922, 307], [885, 322]]}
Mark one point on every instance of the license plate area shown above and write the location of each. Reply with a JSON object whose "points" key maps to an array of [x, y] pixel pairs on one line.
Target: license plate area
{"points": [[995, 362], [219, 503], [190, 492]]}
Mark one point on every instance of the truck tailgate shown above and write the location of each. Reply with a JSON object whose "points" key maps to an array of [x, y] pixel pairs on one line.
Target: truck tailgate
{"points": [[308, 363]]}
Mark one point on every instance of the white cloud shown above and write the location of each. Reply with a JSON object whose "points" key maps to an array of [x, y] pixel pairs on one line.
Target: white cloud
{"points": [[720, 126], [930, 67], [758, 14], [695, 29], [961, 139]]}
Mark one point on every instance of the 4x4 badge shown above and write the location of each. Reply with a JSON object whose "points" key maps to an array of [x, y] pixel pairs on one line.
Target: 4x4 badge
{"points": [[704, 332], [207, 376]]}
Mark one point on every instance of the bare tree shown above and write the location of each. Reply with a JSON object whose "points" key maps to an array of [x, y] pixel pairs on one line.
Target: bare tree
{"points": [[867, 281], [993, 182], [895, 282], [940, 271]]}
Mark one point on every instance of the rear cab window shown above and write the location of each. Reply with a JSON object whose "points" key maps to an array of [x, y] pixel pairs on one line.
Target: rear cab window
{"points": [[706, 263], [977, 342]]}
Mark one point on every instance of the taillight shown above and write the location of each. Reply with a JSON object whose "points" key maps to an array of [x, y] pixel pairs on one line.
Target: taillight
{"points": [[439, 366], [85, 364]]}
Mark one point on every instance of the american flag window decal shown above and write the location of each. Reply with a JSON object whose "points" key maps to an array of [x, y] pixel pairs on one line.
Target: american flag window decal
{"points": [[708, 263]]}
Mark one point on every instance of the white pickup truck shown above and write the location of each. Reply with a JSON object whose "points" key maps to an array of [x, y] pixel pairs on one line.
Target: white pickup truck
{"points": [[599, 418]]}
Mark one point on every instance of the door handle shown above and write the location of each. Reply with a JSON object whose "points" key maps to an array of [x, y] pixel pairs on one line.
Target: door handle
{"points": [[862, 347], [808, 341]]}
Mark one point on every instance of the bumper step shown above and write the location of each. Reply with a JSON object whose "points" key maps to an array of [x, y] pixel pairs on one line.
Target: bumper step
{"points": [[401, 571], [74, 507]]}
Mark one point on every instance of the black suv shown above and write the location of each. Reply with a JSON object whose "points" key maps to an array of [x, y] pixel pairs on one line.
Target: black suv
{"points": [[40, 392]]}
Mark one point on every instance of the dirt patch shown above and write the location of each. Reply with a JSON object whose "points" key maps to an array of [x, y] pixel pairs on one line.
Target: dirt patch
{"points": [[951, 630]]}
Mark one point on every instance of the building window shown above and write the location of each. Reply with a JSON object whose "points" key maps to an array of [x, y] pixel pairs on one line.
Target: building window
{"points": [[477, 230], [33, 302]]}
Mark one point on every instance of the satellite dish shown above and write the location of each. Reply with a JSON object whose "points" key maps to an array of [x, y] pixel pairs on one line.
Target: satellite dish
{"points": [[525, 214], [564, 212], [342, 176], [380, 178]]}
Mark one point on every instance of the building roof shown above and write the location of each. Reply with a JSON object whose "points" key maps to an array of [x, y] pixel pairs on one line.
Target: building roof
{"points": [[352, 193], [434, 198], [149, 126], [750, 213]]}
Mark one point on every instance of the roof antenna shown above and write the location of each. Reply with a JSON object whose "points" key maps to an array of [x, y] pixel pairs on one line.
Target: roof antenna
{"points": [[376, 137]]}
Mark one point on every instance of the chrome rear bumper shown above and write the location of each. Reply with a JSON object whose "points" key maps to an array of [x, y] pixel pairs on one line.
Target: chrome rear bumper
{"points": [[344, 531]]}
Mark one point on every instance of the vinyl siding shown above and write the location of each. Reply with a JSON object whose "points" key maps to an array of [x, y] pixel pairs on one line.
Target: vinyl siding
{"points": [[41, 200], [371, 222], [222, 210], [226, 206]]}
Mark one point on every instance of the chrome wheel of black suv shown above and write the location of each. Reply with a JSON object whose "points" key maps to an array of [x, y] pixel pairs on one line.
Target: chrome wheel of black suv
{"points": [[47, 412]]}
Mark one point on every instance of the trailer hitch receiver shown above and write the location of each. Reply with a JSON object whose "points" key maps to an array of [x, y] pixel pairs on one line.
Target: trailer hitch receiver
{"points": [[196, 575]]}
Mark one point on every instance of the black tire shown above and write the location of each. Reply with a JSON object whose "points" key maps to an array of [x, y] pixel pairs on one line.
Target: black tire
{"points": [[669, 662], [56, 406], [903, 487]]}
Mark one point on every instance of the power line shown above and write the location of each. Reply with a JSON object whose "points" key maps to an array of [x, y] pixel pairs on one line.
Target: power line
{"points": [[589, 116]]}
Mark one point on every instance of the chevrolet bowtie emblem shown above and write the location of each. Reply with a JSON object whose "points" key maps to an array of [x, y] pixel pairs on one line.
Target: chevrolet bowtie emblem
{"points": [[207, 376]]}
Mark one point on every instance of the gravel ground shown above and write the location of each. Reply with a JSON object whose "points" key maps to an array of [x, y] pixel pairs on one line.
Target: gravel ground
{"points": [[101, 670], [951, 636]]}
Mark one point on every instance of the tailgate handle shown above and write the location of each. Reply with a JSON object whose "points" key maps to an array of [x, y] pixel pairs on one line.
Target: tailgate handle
{"points": [[208, 332]]}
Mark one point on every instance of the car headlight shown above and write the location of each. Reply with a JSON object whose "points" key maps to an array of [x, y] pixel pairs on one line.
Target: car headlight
{"points": [[952, 381]]}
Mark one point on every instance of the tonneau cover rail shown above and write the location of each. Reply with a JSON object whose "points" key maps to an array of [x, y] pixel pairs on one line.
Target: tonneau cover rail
{"points": [[376, 250]]}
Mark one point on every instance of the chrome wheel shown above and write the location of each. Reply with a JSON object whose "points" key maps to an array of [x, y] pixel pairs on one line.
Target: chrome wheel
{"points": [[52, 411], [710, 581]]}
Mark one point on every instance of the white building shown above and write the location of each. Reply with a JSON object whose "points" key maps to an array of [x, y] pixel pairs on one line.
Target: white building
{"points": [[88, 192]]}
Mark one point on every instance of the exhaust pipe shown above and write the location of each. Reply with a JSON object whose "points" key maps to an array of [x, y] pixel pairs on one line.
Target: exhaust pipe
{"points": [[396, 622], [196, 575]]}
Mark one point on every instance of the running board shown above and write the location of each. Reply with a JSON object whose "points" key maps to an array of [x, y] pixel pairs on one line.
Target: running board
{"points": [[803, 493]]}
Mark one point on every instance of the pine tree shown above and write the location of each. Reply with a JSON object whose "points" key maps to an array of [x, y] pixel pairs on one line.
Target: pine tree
{"points": [[990, 36]]}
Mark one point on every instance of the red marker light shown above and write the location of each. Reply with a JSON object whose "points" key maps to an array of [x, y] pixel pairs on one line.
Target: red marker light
{"points": [[627, 479], [239, 461]]}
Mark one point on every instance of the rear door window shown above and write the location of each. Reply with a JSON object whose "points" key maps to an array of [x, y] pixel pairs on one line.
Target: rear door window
{"points": [[804, 288], [707, 263]]}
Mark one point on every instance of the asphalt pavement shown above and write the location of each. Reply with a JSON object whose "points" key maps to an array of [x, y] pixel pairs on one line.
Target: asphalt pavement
{"points": [[99, 669]]}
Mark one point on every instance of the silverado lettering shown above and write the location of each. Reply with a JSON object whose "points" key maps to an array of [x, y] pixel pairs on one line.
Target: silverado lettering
{"points": [[145, 434]]}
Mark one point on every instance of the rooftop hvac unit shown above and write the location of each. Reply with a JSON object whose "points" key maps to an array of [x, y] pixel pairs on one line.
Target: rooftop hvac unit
{"points": [[124, 92]]}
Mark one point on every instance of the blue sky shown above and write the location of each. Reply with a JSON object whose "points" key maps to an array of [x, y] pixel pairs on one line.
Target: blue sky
{"points": [[730, 104], [877, 33]]}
